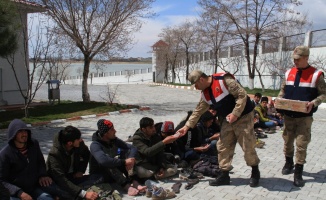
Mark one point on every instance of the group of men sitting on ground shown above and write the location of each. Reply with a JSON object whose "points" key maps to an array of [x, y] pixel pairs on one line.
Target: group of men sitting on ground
{"points": [[155, 153], [266, 116]]}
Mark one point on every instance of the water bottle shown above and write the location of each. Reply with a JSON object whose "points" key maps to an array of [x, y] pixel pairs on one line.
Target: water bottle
{"points": [[118, 153]]}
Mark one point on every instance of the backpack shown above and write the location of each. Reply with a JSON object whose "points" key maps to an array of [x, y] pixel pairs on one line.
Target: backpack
{"points": [[207, 165]]}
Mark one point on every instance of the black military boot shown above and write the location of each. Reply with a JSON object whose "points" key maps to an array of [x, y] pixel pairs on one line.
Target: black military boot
{"points": [[223, 178], [255, 176], [288, 167], [298, 181]]}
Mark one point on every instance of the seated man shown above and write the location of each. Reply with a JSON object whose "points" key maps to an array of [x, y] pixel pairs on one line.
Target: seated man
{"points": [[208, 137], [113, 158], [165, 129], [22, 165], [150, 160], [191, 143], [67, 162], [261, 109], [256, 99], [273, 114]]}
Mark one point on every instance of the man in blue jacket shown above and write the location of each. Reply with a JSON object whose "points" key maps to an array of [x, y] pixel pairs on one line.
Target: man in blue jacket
{"points": [[113, 158], [22, 165]]}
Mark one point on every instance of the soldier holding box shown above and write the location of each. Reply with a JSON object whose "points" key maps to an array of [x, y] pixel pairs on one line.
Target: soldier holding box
{"points": [[305, 83]]}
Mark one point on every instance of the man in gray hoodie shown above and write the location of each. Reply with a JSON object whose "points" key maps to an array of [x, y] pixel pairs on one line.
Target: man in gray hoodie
{"points": [[22, 165]]}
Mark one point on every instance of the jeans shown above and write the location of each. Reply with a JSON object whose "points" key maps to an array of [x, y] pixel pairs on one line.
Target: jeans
{"points": [[37, 194], [85, 182]]}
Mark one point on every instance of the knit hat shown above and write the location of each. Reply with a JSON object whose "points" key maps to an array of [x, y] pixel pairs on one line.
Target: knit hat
{"points": [[103, 126], [264, 99], [167, 127], [206, 116]]}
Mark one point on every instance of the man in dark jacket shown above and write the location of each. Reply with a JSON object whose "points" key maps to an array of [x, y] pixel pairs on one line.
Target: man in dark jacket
{"points": [[150, 160], [190, 144], [67, 163], [113, 158], [22, 165]]}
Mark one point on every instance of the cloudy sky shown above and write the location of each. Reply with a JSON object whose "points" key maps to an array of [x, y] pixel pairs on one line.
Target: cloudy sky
{"points": [[173, 12]]}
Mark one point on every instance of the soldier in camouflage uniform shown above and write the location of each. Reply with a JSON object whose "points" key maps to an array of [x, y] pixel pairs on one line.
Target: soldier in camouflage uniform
{"points": [[235, 113], [305, 83]]}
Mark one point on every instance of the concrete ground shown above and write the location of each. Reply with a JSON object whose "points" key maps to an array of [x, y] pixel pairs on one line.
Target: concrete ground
{"points": [[171, 104]]}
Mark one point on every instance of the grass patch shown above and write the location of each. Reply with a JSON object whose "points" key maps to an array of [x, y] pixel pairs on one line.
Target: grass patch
{"points": [[64, 110]]}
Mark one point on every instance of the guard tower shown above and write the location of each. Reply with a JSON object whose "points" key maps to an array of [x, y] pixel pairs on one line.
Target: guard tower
{"points": [[159, 60]]}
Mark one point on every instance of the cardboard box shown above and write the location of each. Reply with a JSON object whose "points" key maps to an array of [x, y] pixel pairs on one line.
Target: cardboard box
{"points": [[293, 105]]}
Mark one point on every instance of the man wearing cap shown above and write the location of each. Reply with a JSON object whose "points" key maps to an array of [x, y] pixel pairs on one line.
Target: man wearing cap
{"points": [[235, 113], [305, 83], [22, 165], [113, 158]]}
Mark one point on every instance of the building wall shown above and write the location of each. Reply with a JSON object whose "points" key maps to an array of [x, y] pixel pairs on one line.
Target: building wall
{"points": [[10, 93]]}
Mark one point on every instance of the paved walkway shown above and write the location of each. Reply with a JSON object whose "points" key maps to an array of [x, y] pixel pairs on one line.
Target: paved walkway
{"points": [[172, 104]]}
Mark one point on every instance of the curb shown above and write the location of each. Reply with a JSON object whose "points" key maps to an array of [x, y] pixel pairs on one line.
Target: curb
{"points": [[175, 86], [58, 121]]}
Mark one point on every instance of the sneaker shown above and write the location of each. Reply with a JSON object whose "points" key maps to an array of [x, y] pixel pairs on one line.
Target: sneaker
{"points": [[159, 194], [259, 144], [261, 135], [188, 173]]}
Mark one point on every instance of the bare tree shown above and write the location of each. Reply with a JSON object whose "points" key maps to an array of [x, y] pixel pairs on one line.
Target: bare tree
{"points": [[187, 34], [212, 27], [129, 73], [99, 66], [110, 94], [57, 68], [98, 27], [171, 55], [38, 46], [254, 20]]}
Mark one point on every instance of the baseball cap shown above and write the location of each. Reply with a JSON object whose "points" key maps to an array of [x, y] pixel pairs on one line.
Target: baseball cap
{"points": [[167, 127], [300, 51], [194, 76], [104, 126]]}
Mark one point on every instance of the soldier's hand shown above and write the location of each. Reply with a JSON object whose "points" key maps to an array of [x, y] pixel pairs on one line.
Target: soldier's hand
{"points": [[91, 195], [310, 105], [231, 118], [183, 131]]}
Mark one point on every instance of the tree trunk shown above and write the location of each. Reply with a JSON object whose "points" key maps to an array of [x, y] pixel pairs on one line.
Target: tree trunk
{"points": [[85, 94], [251, 83]]}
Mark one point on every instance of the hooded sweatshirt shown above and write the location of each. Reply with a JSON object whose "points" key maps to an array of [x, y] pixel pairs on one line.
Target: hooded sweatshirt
{"points": [[19, 173]]}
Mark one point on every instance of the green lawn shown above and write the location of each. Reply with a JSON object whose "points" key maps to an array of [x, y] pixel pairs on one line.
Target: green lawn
{"points": [[64, 110]]}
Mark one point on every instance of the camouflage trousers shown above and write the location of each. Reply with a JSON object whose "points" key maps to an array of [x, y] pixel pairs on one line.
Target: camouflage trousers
{"points": [[241, 131], [298, 129]]}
